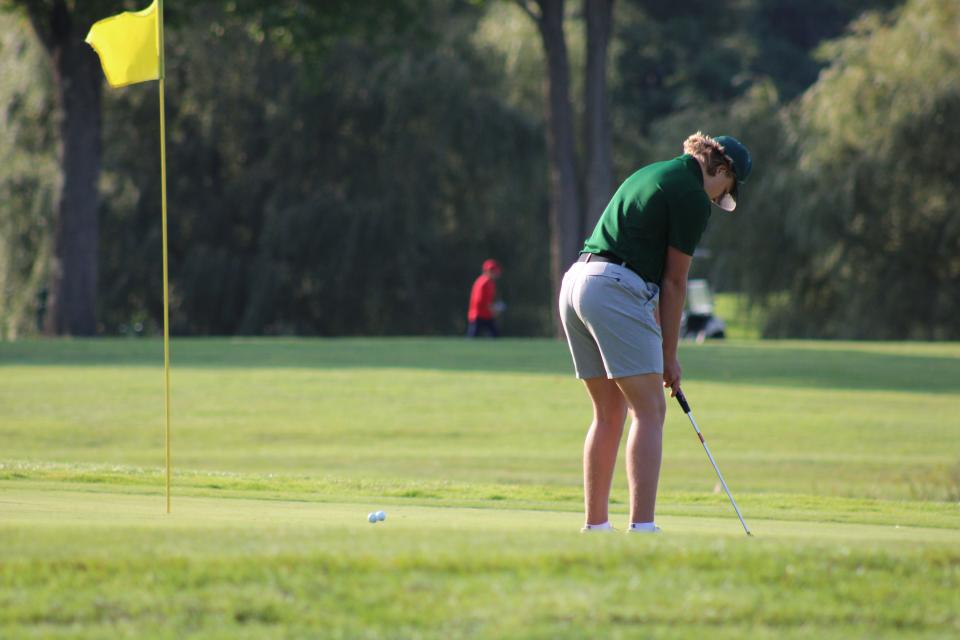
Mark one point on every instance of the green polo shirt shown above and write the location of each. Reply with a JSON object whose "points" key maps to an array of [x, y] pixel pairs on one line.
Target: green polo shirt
{"points": [[662, 204]]}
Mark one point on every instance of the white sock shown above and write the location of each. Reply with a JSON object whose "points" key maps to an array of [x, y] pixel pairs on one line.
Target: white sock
{"points": [[606, 526], [643, 526]]}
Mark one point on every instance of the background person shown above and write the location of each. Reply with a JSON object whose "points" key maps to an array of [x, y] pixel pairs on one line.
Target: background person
{"points": [[640, 251], [481, 315]]}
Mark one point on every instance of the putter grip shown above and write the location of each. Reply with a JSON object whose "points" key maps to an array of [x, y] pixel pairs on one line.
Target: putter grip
{"points": [[682, 399]]}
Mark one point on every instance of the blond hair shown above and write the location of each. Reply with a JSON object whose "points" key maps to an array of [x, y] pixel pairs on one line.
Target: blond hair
{"points": [[710, 152]]}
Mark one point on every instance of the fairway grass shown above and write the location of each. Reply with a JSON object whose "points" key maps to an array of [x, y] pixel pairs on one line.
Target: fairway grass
{"points": [[844, 458]]}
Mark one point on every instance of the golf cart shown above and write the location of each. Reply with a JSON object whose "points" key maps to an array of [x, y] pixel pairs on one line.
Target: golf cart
{"points": [[699, 321]]}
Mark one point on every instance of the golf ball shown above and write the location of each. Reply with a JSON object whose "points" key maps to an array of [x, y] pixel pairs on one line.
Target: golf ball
{"points": [[381, 516], [372, 517]]}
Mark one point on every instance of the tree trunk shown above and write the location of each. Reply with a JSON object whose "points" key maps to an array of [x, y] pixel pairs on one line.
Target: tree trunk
{"points": [[71, 308], [565, 217], [599, 16]]}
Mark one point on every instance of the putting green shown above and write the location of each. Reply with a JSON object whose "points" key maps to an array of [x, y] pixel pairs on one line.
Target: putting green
{"points": [[75, 509]]}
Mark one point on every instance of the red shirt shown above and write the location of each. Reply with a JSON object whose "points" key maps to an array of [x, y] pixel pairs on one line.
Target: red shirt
{"points": [[481, 299]]}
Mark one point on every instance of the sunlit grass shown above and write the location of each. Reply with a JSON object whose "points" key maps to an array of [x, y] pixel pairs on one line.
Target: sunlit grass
{"points": [[843, 457]]}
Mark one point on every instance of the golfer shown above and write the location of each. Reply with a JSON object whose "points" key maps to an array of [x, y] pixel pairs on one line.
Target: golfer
{"points": [[624, 345]]}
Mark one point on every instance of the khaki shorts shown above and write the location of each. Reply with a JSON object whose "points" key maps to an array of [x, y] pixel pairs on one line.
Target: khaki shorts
{"points": [[608, 315]]}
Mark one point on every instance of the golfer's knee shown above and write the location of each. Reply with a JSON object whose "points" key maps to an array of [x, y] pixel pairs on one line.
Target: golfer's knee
{"points": [[652, 416], [610, 419], [607, 425]]}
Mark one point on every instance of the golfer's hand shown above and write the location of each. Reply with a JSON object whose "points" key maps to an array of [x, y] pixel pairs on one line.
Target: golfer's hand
{"points": [[671, 375]]}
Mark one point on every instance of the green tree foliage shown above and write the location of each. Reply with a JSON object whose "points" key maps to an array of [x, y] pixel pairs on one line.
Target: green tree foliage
{"points": [[876, 138], [353, 191], [697, 56], [846, 229], [28, 179], [344, 167]]}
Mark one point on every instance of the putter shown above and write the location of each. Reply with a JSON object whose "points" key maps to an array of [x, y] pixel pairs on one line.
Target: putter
{"points": [[682, 399]]}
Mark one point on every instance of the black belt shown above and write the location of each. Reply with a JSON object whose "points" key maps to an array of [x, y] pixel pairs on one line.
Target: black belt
{"points": [[605, 257]]}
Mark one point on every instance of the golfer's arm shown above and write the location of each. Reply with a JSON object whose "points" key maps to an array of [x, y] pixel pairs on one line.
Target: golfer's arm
{"points": [[673, 291]]}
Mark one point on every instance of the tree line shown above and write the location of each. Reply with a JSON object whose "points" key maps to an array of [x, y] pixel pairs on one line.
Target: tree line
{"points": [[344, 168]]}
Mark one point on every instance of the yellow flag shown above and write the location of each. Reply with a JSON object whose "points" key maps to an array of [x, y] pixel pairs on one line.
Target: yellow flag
{"points": [[127, 46]]}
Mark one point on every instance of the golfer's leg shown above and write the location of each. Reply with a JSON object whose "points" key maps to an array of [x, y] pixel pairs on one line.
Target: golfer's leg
{"points": [[601, 445], [645, 441]]}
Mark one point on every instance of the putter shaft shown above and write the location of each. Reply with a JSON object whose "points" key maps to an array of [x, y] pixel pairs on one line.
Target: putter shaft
{"points": [[686, 409]]}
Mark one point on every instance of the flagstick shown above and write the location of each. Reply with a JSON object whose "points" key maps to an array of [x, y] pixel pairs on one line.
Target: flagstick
{"points": [[166, 293]]}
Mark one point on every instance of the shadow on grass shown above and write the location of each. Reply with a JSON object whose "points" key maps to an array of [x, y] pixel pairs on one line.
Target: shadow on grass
{"points": [[793, 364]]}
